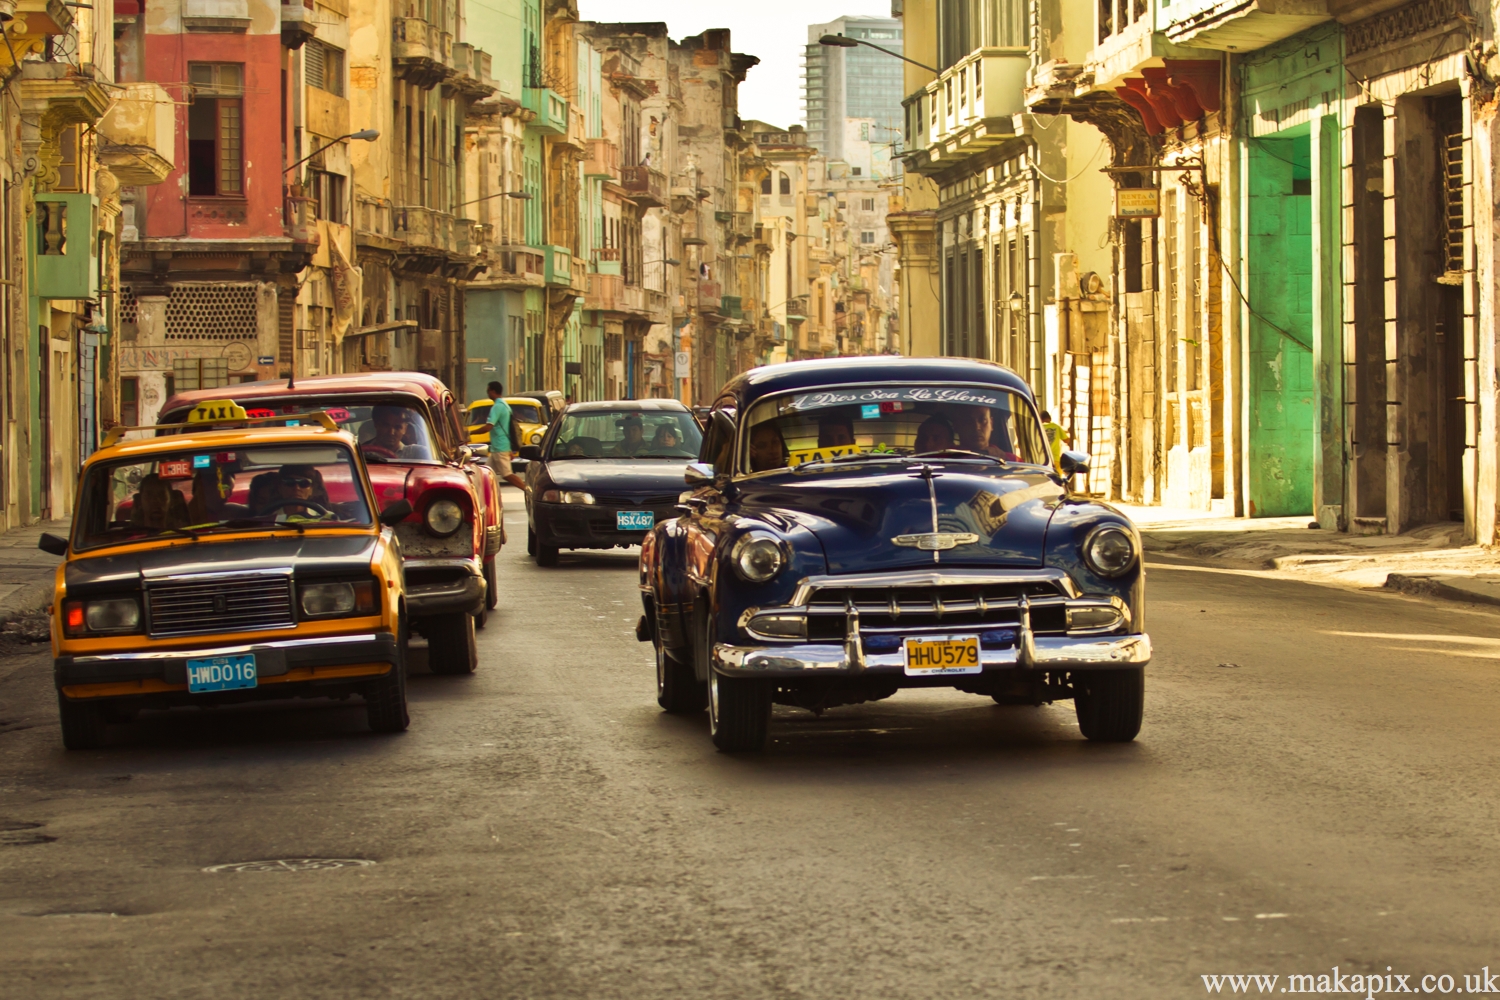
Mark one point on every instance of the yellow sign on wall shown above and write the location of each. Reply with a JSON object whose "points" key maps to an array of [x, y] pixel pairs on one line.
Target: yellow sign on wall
{"points": [[1137, 203]]}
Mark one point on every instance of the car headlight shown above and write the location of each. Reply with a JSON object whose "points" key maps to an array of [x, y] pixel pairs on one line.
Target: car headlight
{"points": [[1109, 550], [536, 437], [122, 615], [444, 517], [567, 496], [757, 558], [319, 599], [323, 600]]}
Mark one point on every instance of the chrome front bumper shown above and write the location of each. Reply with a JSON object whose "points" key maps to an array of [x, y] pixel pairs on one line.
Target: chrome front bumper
{"points": [[1040, 653]]}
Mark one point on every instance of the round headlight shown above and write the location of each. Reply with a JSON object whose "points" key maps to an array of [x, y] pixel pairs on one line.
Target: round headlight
{"points": [[1110, 550], [444, 517], [757, 558], [536, 437]]}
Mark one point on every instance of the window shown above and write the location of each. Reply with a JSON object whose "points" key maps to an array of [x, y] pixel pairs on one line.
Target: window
{"points": [[786, 184], [67, 167], [130, 407], [198, 373], [867, 204], [323, 66], [214, 130], [857, 171], [329, 193], [867, 237], [765, 184]]}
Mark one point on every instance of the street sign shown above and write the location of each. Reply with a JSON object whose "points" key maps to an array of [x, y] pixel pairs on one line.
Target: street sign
{"points": [[265, 359], [1137, 203], [682, 361]]}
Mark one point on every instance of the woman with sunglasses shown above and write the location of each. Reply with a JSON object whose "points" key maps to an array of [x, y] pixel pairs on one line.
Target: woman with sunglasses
{"points": [[301, 482]]}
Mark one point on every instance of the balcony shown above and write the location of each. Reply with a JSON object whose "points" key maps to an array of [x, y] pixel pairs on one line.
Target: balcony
{"points": [[602, 160], [968, 109], [327, 114], [731, 307], [471, 72], [466, 237], [605, 292], [419, 227], [516, 267], [297, 23], [646, 186], [417, 52], [551, 110], [66, 266], [742, 226], [559, 266], [141, 130], [1242, 25], [710, 297]]}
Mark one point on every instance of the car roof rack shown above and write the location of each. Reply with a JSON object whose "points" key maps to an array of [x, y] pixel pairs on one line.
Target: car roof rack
{"points": [[325, 422]]}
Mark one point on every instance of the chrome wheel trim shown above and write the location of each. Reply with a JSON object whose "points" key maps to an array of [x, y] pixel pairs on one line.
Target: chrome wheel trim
{"points": [[713, 700], [661, 672]]}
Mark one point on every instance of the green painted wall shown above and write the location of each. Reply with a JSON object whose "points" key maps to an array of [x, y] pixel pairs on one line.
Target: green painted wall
{"points": [[1280, 268]]}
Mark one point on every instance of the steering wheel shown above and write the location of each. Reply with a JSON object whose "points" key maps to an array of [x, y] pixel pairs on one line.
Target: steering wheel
{"points": [[278, 504]]}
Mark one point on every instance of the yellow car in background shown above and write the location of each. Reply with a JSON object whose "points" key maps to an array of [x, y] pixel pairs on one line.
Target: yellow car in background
{"points": [[528, 415]]}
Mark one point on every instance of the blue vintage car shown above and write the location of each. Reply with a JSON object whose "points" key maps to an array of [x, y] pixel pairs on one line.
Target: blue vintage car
{"points": [[861, 525]]}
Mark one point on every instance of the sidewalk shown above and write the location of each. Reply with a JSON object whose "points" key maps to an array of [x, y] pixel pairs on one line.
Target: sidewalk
{"points": [[26, 571], [1432, 560]]}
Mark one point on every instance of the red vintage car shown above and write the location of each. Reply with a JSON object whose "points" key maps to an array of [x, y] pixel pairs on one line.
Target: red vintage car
{"points": [[411, 434]]}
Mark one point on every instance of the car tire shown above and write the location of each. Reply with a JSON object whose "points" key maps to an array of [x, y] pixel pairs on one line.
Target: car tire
{"points": [[481, 618], [546, 555], [450, 644], [385, 699], [739, 708], [678, 689], [82, 723], [1110, 703], [530, 542], [492, 584]]}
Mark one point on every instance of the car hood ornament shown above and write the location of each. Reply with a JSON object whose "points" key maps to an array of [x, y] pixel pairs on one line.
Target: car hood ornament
{"points": [[936, 541]]}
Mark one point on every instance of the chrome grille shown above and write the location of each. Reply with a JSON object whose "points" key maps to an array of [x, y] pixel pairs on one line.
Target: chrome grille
{"points": [[904, 609], [241, 604]]}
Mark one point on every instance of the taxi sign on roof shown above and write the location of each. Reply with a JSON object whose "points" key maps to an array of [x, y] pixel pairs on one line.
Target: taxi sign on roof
{"points": [[216, 410]]}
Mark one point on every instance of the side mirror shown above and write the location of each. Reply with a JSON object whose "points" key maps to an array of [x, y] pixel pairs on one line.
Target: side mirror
{"points": [[698, 474], [465, 454], [1073, 463], [395, 513], [55, 544], [530, 452], [723, 423]]}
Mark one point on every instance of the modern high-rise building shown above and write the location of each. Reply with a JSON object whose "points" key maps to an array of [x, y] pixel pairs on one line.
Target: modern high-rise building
{"points": [[859, 83]]}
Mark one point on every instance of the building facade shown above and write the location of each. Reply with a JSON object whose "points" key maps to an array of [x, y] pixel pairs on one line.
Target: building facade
{"points": [[859, 84]]}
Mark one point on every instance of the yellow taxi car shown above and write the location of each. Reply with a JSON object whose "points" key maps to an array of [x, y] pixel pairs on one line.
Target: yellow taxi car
{"points": [[529, 416], [221, 564]]}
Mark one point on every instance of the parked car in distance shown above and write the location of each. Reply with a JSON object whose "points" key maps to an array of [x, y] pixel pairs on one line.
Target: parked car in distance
{"points": [[223, 565], [605, 473], [863, 525], [411, 436]]}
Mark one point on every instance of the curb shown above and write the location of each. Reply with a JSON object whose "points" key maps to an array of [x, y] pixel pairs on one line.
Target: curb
{"points": [[31, 598], [1426, 586]]}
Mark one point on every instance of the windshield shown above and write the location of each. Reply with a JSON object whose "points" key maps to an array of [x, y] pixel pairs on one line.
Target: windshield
{"points": [[859, 422], [198, 492], [626, 434], [386, 432], [526, 413]]}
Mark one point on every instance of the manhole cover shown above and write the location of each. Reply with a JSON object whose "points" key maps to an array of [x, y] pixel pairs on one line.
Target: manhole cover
{"points": [[291, 865]]}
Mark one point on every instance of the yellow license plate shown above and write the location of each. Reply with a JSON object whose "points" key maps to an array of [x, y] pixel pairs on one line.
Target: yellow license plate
{"points": [[942, 654]]}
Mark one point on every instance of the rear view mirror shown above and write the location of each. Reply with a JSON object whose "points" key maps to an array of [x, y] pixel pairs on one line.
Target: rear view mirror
{"points": [[1073, 463], [396, 512], [55, 544]]}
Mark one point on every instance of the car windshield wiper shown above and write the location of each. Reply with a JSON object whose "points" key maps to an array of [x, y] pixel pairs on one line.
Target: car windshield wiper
{"points": [[376, 460], [864, 456], [180, 531], [959, 453]]}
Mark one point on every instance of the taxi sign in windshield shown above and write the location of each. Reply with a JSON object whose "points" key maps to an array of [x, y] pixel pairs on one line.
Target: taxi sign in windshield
{"points": [[214, 410]]}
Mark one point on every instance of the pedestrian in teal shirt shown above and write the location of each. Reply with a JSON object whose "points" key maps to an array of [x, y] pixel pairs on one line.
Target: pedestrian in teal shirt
{"points": [[501, 451]]}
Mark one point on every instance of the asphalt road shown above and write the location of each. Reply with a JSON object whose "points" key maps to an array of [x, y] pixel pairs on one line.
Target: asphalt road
{"points": [[1314, 787]]}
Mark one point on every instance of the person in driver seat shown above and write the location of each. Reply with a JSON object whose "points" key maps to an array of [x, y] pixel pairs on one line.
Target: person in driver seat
{"points": [[301, 482], [767, 448], [634, 440], [158, 507], [390, 427]]}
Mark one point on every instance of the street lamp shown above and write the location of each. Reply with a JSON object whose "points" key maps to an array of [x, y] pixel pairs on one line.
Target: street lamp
{"points": [[845, 42], [365, 135], [518, 195]]}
